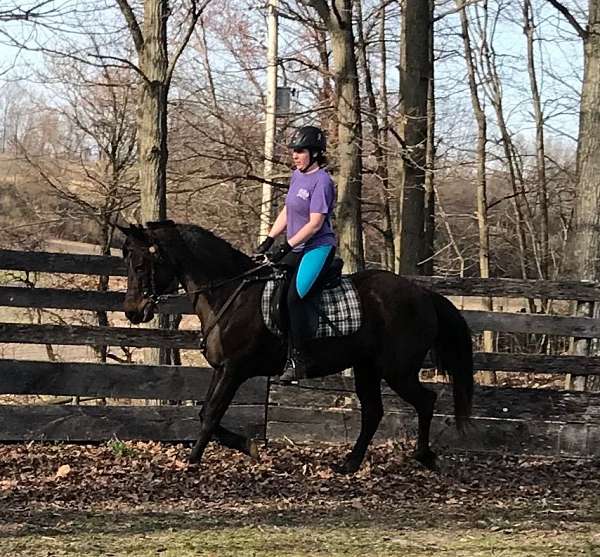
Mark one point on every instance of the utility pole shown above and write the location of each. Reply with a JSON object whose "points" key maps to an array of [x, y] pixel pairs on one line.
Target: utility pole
{"points": [[270, 119]]}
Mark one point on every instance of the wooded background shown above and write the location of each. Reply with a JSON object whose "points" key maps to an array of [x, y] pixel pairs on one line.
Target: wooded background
{"points": [[463, 135]]}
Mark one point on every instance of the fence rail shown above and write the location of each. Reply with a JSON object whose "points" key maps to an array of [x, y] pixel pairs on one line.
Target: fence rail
{"points": [[454, 286], [42, 422], [67, 263], [97, 336], [524, 421], [116, 381], [583, 327]]}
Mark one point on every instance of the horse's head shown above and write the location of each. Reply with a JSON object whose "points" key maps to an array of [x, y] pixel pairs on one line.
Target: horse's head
{"points": [[149, 273]]}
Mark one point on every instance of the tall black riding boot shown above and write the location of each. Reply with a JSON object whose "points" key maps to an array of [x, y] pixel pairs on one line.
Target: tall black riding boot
{"points": [[295, 368]]}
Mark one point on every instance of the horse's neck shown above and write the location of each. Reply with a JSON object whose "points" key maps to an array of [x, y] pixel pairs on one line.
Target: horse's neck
{"points": [[196, 276]]}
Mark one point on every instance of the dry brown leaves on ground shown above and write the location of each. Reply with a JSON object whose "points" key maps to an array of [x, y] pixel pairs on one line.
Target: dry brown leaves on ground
{"points": [[156, 476]]}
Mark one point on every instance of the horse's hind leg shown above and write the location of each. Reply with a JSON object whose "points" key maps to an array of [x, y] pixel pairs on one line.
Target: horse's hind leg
{"points": [[368, 389], [408, 386]]}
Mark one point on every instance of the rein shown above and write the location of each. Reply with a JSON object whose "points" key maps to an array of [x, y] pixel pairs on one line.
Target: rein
{"points": [[214, 286], [247, 277]]}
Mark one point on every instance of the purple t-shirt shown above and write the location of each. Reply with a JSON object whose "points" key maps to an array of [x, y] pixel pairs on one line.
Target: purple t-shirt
{"points": [[310, 193]]}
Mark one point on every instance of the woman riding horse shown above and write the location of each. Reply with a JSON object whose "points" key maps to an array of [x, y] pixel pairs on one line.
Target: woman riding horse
{"points": [[310, 245]]}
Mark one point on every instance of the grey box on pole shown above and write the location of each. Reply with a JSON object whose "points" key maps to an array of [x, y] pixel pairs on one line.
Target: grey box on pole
{"points": [[282, 101]]}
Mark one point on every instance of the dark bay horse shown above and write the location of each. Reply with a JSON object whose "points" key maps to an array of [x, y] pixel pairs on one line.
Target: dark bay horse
{"points": [[401, 323]]}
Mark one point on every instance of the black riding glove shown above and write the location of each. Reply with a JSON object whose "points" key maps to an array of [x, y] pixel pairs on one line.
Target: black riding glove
{"points": [[278, 254], [265, 245]]}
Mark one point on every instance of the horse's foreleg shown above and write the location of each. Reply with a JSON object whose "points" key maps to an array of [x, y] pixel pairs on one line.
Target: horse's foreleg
{"points": [[213, 410], [224, 436]]}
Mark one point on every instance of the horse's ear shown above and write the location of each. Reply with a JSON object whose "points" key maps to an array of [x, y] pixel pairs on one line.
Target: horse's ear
{"points": [[124, 230], [138, 232]]}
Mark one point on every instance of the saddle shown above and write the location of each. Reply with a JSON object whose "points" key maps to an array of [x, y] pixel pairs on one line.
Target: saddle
{"points": [[278, 306]]}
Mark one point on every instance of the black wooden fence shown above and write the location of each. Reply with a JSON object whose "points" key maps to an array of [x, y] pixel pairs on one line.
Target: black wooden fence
{"points": [[539, 421]]}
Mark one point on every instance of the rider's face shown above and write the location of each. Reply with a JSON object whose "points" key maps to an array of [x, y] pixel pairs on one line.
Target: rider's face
{"points": [[301, 158]]}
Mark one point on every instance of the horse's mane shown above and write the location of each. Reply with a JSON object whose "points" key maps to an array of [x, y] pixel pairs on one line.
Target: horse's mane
{"points": [[208, 248]]}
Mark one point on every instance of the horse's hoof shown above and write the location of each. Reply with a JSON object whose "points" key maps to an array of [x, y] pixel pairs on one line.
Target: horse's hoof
{"points": [[427, 458], [346, 468], [252, 447], [194, 457]]}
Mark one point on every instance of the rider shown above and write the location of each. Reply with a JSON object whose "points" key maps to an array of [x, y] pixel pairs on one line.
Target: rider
{"points": [[310, 245]]}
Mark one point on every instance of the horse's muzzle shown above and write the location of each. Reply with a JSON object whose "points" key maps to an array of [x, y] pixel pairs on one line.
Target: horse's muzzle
{"points": [[144, 315]]}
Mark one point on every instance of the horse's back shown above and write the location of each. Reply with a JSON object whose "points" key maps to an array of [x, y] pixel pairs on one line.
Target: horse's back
{"points": [[396, 305]]}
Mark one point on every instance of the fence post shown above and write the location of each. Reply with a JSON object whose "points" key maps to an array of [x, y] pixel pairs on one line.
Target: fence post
{"points": [[580, 347]]}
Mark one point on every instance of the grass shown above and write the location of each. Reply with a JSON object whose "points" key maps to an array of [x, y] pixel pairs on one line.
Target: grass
{"points": [[282, 534], [120, 448]]}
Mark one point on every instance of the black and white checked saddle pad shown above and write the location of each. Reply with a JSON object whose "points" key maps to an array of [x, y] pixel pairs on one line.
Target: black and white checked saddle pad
{"points": [[340, 305]]}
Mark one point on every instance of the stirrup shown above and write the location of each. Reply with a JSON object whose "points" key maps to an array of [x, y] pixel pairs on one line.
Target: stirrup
{"points": [[288, 376]]}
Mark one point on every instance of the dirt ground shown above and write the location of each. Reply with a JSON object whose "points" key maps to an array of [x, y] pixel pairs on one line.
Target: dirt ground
{"points": [[142, 499]]}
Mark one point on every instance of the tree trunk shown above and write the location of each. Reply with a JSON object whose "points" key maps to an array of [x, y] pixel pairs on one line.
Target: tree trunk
{"points": [[381, 170], [415, 73], [487, 377], [529, 28], [326, 93], [266, 208], [390, 252], [427, 267], [152, 112], [584, 239], [349, 177]]}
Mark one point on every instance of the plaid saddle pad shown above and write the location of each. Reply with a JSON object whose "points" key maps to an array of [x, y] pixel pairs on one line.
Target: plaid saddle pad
{"points": [[340, 305]]}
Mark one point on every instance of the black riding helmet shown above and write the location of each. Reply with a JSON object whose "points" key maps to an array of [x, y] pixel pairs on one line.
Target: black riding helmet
{"points": [[309, 137]]}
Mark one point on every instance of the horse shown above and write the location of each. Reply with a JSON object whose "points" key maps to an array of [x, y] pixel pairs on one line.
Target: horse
{"points": [[401, 323]]}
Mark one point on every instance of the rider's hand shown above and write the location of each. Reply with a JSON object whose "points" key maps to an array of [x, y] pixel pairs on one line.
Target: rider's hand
{"points": [[264, 246], [278, 254]]}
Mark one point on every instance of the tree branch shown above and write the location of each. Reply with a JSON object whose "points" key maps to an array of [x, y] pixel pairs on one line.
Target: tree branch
{"points": [[195, 15], [132, 23], [21, 14], [583, 33], [123, 63], [321, 7]]}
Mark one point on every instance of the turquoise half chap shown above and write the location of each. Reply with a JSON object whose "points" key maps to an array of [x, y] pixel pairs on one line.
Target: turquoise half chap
{"points": [[310, 266]]}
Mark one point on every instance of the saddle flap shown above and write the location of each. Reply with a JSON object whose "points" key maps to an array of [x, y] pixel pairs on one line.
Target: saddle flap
{"points": [[278, 307]]}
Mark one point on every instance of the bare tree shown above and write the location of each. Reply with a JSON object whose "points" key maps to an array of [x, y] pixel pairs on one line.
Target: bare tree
{"points": [[377, 133], [529, 29], [584, 238], [156, 71], [338, 21], [481, 153], [415, 74]]}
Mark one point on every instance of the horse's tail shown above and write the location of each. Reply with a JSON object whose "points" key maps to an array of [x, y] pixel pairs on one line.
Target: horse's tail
{"points": [[454, 355]]}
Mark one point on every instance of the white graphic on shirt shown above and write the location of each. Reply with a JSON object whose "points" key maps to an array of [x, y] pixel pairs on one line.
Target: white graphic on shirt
{"points": [[303, 194]]}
